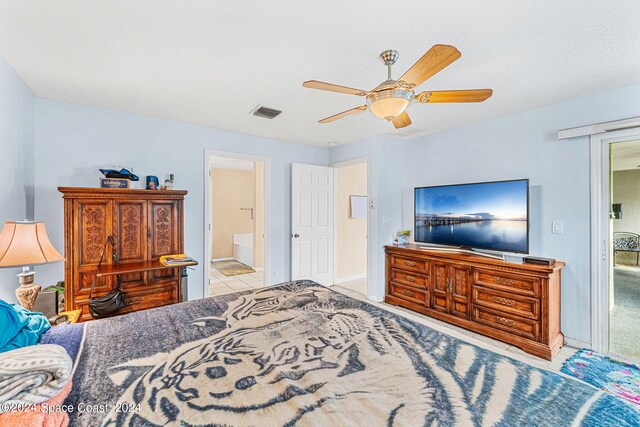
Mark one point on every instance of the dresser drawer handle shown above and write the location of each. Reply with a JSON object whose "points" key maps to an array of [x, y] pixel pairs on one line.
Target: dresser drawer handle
{"points": [[503, 281], [410, 263], [504, 321], [407, 293], [504, 301], [410, 278]]}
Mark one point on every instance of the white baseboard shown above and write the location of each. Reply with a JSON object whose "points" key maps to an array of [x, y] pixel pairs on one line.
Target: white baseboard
{"points": [[350, 278], [572, 342], [222, 259]]}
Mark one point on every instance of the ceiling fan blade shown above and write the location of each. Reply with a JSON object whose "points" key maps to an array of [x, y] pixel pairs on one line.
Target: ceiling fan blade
{"points": [[472, 95], [315, 84], [432, 62], [344, 114], [401, 121]]}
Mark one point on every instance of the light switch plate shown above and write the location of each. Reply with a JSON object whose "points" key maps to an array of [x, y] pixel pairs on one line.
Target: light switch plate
{"points": [[557, 227]]}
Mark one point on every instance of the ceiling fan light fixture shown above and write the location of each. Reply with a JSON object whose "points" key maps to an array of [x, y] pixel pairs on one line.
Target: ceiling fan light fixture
{"points": [[389, 104]]}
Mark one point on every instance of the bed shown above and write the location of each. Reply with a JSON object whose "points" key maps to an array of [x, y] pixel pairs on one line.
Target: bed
{"points": [[302, 354]]}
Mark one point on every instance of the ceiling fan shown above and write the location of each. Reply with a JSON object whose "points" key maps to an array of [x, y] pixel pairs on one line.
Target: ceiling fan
{"points": [[390, 99]]}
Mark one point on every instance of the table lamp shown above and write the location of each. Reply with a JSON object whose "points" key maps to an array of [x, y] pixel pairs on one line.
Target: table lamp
{"points": [[23, 244]]}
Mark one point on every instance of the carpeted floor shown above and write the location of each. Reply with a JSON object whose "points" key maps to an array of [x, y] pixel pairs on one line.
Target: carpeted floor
{"points": [[625, 316]]}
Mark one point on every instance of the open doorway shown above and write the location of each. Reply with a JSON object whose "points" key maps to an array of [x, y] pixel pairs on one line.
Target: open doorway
{"points": [[351, 225], [236, 213], [624, 286]]}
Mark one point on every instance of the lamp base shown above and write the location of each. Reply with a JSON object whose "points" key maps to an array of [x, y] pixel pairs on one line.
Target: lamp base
{"points": [[28, 291]]}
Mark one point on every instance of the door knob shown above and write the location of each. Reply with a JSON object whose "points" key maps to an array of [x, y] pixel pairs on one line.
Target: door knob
{"points": [[295, 235]]}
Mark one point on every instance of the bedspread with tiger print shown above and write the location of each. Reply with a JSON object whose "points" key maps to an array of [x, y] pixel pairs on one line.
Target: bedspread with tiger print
{"points": [[301, 354]]}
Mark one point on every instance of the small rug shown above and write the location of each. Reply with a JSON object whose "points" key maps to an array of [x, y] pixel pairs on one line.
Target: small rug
{"points": [[232, 268], [616, 377]]}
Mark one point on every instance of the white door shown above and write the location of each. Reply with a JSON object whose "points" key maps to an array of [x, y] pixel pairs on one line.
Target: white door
{"points": [[312, 223]]}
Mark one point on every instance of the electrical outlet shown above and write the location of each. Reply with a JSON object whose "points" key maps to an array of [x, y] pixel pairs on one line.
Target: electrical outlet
{"points": [[557, 227], [385, 220]]}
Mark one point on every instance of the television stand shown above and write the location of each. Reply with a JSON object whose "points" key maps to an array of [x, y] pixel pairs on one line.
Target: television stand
{"points": [[462, 250], [515, 303]]}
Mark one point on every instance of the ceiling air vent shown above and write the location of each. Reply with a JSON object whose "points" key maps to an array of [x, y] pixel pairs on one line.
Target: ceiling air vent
{"points": [[407, 133], [266, 112]]}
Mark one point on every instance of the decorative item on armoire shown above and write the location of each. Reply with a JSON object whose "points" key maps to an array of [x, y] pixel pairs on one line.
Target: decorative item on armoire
{"points": [[116, 177], [23, 244], [168, 183], [152, 182]]}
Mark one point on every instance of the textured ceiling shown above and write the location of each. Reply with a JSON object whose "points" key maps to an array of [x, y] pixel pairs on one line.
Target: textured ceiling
{"points": [[212, 63]]}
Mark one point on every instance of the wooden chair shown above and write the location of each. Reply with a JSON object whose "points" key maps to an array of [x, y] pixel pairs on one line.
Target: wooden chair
{"points": [[626, 242]]}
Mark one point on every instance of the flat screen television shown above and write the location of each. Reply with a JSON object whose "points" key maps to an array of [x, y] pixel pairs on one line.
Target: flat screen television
{"points": [[485, 215]]}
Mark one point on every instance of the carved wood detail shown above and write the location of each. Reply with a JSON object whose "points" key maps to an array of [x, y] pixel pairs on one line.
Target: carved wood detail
{"points": [[131, 222], [93, 233], [163, 230]]}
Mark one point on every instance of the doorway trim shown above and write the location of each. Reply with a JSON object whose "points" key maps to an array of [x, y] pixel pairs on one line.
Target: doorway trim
{"points": [[600, 233], [370, 224], [208, 232]]}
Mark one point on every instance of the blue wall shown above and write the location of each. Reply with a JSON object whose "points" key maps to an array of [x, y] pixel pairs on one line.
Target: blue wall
{"points": [[72, 141], [16, 160]]}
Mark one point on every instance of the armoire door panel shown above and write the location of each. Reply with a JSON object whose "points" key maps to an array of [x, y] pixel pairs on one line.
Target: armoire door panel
{"points": [[130, 234], [164, 234], [92, 224]]}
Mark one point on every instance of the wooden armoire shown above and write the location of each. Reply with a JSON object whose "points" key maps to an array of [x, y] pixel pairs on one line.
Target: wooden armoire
{"points": [[145, 225]]}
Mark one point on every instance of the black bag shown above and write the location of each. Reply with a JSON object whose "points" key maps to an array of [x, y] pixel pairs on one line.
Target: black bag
{"points": [[112, 302]]}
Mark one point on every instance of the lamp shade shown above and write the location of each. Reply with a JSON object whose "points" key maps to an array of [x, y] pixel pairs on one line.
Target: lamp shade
{"points": [[26, 243], [389, 104]]}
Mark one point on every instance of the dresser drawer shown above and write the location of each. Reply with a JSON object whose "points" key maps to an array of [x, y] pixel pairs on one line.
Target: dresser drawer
{"points": [[414, 295], [507, 302], [507, 322], [417, 265], [511, 283], [409, 278]]}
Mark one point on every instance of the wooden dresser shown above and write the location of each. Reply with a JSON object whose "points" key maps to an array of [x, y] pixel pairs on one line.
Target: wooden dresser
{"points": [[515, 303], [145, 225]]}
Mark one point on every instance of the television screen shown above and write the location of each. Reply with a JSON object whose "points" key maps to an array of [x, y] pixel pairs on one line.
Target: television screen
{"points": [[487, 215]]}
